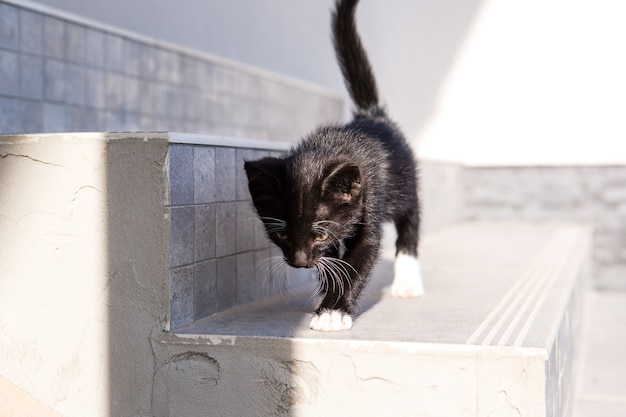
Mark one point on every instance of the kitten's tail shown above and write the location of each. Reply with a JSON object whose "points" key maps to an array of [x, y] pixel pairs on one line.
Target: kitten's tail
{"points": [[355, 66]]}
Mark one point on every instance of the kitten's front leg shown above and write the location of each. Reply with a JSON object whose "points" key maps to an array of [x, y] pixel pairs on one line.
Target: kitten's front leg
{"points": [[331, 321], [340, 298], [332, 314]]}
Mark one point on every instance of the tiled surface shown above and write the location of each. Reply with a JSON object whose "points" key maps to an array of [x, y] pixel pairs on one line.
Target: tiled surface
{"points": [[58, 75], [602, 365], [593, 194], [217, 240]]}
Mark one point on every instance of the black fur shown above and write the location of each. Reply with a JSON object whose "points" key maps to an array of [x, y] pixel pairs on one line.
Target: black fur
{"points": [[323, 203]]}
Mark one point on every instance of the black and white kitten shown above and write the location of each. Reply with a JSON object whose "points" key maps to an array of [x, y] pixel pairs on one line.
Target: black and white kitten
{"points": [[324, 202]]}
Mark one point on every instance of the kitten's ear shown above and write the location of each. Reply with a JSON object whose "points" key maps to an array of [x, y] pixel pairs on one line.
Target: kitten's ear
{"points": [[342, 182], [265, 178]]}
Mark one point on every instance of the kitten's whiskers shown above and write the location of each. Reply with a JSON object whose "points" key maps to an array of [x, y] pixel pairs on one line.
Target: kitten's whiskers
{"points": [[273, 225], [274, 273], [279, 278], [333, 273]]}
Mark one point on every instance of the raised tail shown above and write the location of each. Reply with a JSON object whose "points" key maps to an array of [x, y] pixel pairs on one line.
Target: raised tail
{"points": [[355, 66]]}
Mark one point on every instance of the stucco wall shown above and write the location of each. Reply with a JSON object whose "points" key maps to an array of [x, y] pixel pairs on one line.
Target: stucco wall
{"points": [[84, 255]]}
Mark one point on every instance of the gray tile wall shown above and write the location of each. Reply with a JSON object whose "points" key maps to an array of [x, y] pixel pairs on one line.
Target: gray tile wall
{"points": [[58, 75], [219, 251]]}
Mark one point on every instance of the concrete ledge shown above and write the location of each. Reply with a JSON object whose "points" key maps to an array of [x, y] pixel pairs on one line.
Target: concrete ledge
{"points": [[493, 333], [91, 247]]}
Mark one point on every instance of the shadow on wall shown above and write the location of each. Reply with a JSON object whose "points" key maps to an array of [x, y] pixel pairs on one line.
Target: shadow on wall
{"points": [[412, 46], [138, 265]]}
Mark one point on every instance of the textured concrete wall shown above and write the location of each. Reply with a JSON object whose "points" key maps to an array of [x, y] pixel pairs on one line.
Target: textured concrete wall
{"points": [[84, 251], [136, 285], [59, 74], [54, 268], [595, 194], [250, 377]]}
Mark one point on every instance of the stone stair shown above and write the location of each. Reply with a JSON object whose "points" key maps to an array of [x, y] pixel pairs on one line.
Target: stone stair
{"points": [[128, 287]]}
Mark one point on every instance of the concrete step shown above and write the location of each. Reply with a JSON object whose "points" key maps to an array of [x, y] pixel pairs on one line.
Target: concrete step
{"points": [[108, 241], [493, 336]]}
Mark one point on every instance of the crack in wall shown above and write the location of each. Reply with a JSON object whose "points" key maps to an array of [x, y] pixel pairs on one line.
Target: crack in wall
{"points": [[503, 406], [287, 383], [183, 382], [16, 155]]}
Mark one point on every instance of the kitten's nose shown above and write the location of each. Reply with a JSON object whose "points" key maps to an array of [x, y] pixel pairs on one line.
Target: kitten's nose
{"points": [[300, 259]]}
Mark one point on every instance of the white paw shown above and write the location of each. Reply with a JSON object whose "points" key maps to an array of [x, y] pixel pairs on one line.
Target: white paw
{"points": [[407, 280], [331, 321]]}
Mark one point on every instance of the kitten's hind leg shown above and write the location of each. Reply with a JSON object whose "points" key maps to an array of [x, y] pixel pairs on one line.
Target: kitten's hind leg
{"points": [[407, 281]]}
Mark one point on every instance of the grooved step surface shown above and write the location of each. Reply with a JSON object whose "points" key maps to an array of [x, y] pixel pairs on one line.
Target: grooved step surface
{"points": [[496, 284]]}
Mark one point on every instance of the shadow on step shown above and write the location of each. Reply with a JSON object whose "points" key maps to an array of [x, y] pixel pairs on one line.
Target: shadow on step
{"points": [[285, 314]]}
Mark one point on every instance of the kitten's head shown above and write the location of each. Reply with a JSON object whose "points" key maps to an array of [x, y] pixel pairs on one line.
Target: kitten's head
{"points": [[309, 208]]}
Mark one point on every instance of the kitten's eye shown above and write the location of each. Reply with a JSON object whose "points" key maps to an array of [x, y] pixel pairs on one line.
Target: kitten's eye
{"points": [[321, 237], [281, 235]]}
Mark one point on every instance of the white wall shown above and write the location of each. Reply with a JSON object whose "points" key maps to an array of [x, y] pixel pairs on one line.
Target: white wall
{"points": [[411, 42], [479, 81], [539, 81]]}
